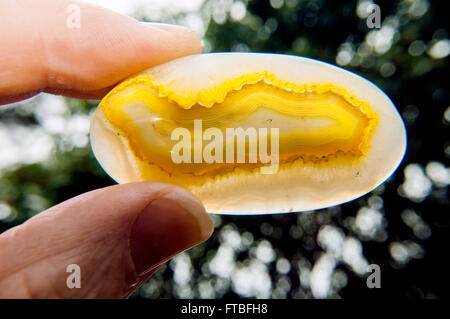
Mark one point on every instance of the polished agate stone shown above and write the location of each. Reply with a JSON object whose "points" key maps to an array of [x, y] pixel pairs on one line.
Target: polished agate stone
{"points": [[213, 123]]}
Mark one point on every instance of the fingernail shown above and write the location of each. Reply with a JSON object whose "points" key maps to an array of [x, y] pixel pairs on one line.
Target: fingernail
{"points": [[167, 226], [173, 28]]}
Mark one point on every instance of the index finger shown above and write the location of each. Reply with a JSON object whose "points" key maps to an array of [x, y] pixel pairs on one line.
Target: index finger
{"points": [[43, 50]]}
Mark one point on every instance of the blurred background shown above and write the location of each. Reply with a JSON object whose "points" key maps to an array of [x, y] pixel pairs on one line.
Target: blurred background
{"points": [[403, 225]]}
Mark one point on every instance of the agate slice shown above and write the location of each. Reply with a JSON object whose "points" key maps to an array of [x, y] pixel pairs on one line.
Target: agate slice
{"points": [[250, 133]]}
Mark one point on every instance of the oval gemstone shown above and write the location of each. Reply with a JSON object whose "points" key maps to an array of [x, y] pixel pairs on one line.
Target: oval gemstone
{"points": [[250, 133]]}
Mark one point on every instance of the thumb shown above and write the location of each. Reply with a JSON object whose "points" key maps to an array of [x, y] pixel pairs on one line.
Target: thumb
{"points": [[118, 236]]}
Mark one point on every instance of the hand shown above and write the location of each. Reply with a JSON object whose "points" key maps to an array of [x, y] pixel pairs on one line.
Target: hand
{"points": [[118, 235]]}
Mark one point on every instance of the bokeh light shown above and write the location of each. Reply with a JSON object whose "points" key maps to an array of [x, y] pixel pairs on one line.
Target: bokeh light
{"points": [[403, 225]]}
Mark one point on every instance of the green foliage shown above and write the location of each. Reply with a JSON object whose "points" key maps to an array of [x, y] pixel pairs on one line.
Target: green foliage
{"points": [[416, 82]]}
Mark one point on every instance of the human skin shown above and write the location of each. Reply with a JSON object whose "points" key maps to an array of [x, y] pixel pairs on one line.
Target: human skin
{"points": [[118, 235]]}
